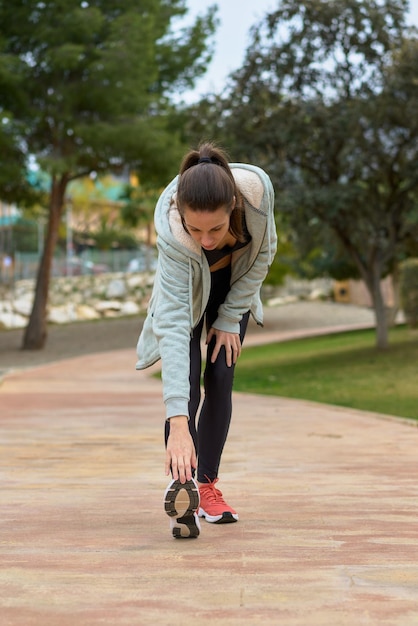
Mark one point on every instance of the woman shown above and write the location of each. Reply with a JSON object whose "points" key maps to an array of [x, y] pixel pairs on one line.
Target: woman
{"points": [[216, 240]]}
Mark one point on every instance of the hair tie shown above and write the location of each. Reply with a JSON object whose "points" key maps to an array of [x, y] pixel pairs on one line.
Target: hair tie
{"points": [[205, 160]]}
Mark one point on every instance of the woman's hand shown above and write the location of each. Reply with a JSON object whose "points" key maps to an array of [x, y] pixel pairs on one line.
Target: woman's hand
{"points": [[231, 342], [180, 455]]}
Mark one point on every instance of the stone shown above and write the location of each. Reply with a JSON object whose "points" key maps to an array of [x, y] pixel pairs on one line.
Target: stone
{"points": [[318, 294], [82, 297], [110, 313], [139, 280], [86, 312], [62, 314], [130, 308], [12, 320], [108, 305], [116, 289], [272, 302], [23, 305], [6, 307]]}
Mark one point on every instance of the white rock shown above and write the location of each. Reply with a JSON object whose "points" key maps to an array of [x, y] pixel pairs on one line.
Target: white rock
{"points": [[139, 280], [6, 307], [23, 305], [86, 312], [67, 287], [80, 297], [12, 320], [318, 294], [25, 287], [281, 300], [108, 305], [111, 313], [62, 314], [129, 308], [116, 289]]}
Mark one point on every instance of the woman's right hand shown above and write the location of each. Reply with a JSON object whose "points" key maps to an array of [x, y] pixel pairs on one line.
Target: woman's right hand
{"points": [[180, 456]]}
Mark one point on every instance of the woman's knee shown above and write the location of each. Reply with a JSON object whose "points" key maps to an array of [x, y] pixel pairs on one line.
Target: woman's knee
{"points": [[218, 375]]}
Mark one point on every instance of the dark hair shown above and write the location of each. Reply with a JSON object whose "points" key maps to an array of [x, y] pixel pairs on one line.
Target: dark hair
{"points": [[206, 183]]}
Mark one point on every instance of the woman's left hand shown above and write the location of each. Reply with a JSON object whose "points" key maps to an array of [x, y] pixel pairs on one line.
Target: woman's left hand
{"points": [[231, 342]]}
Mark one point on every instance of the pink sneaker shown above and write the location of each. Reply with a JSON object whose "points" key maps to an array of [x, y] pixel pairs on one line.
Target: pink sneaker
{"points": [[213, 507]]}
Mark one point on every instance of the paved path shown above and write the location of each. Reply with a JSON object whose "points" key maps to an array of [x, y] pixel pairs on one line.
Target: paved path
{"points": [[328, 501]]}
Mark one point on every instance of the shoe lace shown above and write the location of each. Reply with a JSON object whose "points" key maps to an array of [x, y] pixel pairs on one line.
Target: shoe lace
{"points": [[211, 492]]}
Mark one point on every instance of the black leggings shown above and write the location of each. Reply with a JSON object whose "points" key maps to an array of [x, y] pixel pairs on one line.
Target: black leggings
{"points": [[215, 416]]}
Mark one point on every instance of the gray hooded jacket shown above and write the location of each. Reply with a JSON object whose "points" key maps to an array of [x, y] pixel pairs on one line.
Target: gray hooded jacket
{"points": [[182, 283]]}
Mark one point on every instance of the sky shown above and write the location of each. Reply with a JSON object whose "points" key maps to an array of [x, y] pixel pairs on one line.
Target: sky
{"points": [[232, 37]]}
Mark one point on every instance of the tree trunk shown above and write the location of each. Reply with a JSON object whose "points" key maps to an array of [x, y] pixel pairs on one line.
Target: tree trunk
{"points": [[35, 335], [371, 273], [374, 285], [393, 312]]}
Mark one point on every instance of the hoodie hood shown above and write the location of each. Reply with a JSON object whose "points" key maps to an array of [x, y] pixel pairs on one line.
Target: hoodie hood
{"points": [[168, 224], [169, 227]]}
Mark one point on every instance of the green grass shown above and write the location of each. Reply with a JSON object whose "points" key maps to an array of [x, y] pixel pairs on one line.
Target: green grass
{"points": [[344, 369]]}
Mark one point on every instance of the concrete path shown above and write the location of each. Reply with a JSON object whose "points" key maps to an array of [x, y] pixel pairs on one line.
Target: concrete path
{"points": [[327, 497]]}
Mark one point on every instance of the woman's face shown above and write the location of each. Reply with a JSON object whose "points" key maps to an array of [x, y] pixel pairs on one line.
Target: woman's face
{"points": [[210, 229]]}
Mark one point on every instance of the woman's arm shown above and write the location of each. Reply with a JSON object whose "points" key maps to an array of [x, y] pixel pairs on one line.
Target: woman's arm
{"points": [[180, 456], [172, 326]]}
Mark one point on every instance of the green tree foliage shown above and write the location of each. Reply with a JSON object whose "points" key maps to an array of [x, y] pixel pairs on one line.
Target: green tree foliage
{"points": [[14, 185], [96, 213], [85, 87], [327, 102], [25, 235], [138, 207]]}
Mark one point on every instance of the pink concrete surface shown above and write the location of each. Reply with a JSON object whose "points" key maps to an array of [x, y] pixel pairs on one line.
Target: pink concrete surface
{"points": [[327, 497]]}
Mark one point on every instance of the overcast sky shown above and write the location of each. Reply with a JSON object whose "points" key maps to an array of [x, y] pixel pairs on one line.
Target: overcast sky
{"points": [[232, 37]]}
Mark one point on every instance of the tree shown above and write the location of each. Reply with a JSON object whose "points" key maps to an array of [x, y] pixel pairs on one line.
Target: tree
{"points": [[86, 87], [138, 206], [14, 185], [327, 102]]}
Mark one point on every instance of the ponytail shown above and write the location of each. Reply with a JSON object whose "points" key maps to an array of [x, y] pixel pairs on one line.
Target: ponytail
{"points": [[206, 183]]}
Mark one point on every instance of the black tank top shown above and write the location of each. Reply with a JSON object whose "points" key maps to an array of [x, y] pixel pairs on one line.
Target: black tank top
{"points": [[213, 256]]}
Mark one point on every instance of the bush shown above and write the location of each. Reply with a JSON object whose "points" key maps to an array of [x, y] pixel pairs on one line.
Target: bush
{"points": [[25, 235], [409, 291]]}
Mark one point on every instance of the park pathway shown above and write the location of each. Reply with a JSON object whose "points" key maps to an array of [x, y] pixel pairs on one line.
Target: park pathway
{"points": [[327, 497]]}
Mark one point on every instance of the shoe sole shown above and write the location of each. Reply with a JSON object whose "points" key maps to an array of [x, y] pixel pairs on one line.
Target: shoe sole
{"points": [[181, 500], [225, 518]]}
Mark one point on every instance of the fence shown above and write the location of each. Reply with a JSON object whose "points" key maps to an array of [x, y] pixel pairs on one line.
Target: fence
{"points": [[24, 265]]}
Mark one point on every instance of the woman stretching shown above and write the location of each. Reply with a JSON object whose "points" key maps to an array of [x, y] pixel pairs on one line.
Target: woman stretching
{"points": [[216, 239]]}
